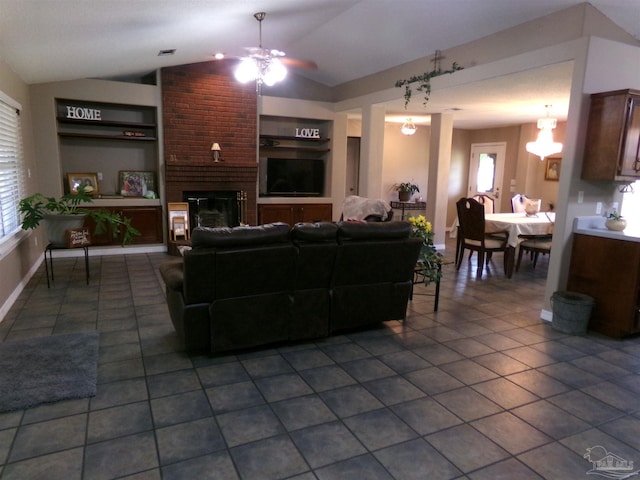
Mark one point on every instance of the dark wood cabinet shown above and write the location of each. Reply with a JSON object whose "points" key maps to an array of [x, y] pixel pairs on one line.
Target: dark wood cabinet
{"points": [[293, 213], [609, 271], [613, 137], [147, 220]]}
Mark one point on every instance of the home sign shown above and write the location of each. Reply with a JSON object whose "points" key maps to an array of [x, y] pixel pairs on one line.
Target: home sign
{"points": [[308, 132], [83, 113]]}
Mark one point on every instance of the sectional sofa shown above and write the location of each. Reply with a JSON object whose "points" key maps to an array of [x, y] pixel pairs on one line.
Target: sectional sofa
{"points": [[248, 286]]}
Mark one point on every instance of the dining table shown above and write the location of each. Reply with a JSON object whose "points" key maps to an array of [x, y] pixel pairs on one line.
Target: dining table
{"points": [[519, 226]]}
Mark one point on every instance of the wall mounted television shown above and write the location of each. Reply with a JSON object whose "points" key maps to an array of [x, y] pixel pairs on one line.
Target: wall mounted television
{"points": [[293, 177]]}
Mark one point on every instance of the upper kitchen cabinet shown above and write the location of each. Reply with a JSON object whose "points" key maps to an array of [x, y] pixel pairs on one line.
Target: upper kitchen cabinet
{"points": [[613, 137]]}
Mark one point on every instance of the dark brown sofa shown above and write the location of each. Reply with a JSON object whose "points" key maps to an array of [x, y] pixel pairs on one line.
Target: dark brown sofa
{"points": [[248, 286]]}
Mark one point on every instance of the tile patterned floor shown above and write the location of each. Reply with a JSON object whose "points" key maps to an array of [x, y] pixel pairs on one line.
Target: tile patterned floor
{"points": [[483, 389]]}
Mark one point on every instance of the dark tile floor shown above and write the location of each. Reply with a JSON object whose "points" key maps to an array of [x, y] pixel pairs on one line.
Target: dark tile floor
{"points": [[483, 389]]}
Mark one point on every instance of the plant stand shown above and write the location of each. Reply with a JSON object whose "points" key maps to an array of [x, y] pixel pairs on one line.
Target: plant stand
{"points": [[49, 266]]}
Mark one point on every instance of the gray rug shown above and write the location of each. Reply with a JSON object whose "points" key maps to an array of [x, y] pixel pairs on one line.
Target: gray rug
{"points": [[48, 369]]}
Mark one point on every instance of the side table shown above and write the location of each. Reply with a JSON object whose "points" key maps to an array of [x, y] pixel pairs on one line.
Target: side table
{"points": [[408, 206], [49, 266]]}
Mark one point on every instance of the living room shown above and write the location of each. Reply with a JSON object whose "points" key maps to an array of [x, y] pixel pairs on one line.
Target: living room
{"points": [[306, 411]]}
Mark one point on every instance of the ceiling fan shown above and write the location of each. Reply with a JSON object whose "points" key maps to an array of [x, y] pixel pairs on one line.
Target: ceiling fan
{"points": [[264, 65]]}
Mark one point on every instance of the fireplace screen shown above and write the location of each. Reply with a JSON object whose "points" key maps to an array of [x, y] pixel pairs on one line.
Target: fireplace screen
{"points": [[216, 208]]}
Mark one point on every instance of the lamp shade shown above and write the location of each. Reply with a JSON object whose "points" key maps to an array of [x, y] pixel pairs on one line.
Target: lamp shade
{"points": [[215, 147]]}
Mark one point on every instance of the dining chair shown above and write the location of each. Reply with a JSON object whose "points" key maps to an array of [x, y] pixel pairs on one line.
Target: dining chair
{"points": [[486, 201], [535, 245], [472, 235]]}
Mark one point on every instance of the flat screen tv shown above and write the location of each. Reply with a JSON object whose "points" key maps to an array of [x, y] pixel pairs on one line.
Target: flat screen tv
{"points": [[295, 177]]}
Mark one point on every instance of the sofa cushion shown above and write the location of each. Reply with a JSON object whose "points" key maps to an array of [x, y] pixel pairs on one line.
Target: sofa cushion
{"points": [[373, 231], [314, 232], [203, 237]]}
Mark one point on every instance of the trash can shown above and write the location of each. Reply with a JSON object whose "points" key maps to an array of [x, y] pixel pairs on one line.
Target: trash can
{"points": [[571, 312]]}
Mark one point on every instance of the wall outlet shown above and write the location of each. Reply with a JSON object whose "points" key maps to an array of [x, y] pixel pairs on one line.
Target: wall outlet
{"points": [[598, 208], [100, 176], [580, 196]]}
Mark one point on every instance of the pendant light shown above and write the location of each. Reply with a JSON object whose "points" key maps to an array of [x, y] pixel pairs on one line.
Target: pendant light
{"points": [[544, 144], [408, 127]]}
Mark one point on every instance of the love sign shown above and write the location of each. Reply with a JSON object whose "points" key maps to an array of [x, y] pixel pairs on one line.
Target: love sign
{"points": [[308, 132]]}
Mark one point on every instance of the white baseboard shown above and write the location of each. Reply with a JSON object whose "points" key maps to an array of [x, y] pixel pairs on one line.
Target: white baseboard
{"points": [[546, 315]]}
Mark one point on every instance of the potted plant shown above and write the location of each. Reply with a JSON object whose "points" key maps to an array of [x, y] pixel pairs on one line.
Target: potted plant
{"points": [[66, 213], [615, 222], [405, 190]]}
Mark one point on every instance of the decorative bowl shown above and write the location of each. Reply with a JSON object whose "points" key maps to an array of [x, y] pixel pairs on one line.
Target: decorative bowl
{"points": [[615, 225]]}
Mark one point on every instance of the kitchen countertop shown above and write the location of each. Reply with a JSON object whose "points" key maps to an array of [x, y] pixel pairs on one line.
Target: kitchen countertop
{"points": [[595, 226]]}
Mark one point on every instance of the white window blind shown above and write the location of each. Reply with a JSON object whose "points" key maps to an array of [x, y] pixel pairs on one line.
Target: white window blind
{"points": [[10, 167]]}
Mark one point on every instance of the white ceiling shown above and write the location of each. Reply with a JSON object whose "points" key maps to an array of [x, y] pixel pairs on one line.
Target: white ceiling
{"points": [[53, 40]]}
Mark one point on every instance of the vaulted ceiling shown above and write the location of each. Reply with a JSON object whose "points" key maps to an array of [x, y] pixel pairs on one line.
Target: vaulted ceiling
{"points": [[52, 40]]}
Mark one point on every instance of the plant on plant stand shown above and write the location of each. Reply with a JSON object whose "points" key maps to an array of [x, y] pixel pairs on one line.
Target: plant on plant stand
{"points": [[405, 190], [37, 207], [429, 259]]}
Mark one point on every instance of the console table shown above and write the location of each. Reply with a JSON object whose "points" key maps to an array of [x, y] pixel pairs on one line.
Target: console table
{"points": [[49, 265], [408, 206]]}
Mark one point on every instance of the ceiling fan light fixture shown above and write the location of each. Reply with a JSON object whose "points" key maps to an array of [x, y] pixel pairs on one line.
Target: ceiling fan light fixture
{"points": [[408, 127], [544, 144], [262, 66]]}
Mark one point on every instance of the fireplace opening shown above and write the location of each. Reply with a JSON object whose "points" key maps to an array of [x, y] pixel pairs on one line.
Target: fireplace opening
{"points": [[215, 208]]}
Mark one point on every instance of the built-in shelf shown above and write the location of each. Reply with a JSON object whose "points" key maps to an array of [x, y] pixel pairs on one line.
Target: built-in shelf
{"points": [[106, 137]]}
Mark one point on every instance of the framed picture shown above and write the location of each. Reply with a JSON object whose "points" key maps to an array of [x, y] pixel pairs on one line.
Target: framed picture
{"points": [[137, 184], [88, 180], [178, 219], [552, 169]]}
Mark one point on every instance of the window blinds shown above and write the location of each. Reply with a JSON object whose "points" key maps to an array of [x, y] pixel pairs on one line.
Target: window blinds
{"points": [[10, 168]]}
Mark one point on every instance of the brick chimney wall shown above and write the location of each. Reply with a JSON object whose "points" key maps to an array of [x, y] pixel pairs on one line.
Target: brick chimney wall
{"points": [[203, 104]]}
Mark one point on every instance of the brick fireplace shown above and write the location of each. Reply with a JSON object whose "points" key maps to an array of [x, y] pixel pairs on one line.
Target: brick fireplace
{"points": [[202, 105]]}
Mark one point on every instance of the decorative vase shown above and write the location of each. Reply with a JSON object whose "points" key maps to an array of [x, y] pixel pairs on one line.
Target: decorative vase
{"points": [[616, 225], [404, 196], [57, 226]]}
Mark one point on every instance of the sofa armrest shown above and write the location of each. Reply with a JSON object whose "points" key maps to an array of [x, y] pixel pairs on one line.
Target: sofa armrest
{"points": [[172, 273]]}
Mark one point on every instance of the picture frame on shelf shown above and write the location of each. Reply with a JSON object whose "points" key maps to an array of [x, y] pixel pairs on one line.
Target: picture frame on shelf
{"points": [[136, 183], [552, 169], [88, 180]]}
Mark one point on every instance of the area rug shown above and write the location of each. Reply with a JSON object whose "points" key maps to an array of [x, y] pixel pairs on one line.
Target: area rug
{"points": [[47, 369]]}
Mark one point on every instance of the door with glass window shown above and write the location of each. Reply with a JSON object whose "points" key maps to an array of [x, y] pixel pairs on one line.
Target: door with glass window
{"points": [[486, 169]]}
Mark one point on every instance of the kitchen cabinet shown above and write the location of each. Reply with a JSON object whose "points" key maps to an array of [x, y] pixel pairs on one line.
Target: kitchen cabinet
{"points": [[293, 213], [609, 271], [613, 137]]}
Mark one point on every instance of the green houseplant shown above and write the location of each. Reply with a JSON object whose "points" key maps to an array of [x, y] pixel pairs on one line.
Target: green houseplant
{"points": [[67, 209], [405, 190]]}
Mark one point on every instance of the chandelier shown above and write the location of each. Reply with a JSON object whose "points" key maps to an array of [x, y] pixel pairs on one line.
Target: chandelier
{"points": [[408, 127], [261, 65], [544, 144]]}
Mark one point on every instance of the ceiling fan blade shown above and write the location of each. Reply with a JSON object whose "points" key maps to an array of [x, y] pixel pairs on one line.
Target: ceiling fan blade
{"points": [[295, 63]]}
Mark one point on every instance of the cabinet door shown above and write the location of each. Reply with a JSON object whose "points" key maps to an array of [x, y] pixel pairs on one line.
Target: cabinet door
{"points": [[147, 220], [314, 212], [630, 163], [607, 270], [275, 213]]}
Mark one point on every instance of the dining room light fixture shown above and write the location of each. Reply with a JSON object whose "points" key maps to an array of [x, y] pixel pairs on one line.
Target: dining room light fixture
{"points": [[408, 127], [544, 144]]}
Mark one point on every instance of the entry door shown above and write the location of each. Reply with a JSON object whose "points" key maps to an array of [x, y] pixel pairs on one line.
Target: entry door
{"points": [[486, 170]]}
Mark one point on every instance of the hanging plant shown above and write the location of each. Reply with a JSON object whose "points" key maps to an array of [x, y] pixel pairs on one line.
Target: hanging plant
{"points": [[424, 82]]}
